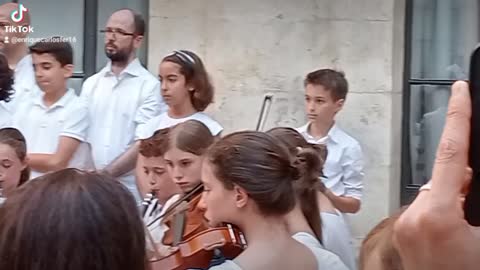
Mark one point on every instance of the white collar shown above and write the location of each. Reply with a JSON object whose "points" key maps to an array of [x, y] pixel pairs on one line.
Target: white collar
{"points": [[331, 135], [134, 68], [62, 102]]}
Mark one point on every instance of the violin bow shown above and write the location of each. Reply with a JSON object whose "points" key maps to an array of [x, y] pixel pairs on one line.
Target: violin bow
{"points": [[177, 203], [267, 102]]}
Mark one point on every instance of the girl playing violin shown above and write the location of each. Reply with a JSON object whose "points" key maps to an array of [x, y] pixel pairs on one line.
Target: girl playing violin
{"points": [[248, 178], [187, 90], [14, 170], [186, 145]]}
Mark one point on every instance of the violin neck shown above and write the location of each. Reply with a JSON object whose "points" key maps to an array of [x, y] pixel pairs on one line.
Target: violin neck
{"points": [[177, 203]]}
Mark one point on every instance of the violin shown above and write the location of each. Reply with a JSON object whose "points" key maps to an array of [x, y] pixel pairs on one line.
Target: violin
{"points": [[192, 252], [171, 210], [193, 237], [185, 221]]}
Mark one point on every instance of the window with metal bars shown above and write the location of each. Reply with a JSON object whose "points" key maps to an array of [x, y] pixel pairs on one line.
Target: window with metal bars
{"points": [[440, 35], [82, 20]]}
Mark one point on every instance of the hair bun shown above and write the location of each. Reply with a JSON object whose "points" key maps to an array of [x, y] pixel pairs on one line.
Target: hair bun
{"points": [[295, 172]]}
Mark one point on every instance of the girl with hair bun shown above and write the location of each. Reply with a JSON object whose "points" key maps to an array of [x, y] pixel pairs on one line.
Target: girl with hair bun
{"points": [[248, 181], [326, 222]]}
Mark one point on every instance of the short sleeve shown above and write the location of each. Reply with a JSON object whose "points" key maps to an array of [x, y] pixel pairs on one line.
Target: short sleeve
{"points": [[76, 122]]}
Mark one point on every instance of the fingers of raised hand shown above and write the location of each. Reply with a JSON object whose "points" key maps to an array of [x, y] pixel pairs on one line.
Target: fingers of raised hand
{"points": [[448, 175]]}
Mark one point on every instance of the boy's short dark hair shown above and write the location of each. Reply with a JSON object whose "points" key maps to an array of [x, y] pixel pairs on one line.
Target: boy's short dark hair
{"points": [[61, 50], [155, 146], [332, 80]]}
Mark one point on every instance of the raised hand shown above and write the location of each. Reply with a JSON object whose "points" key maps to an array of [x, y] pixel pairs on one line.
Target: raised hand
{"points": [[433, 233]]}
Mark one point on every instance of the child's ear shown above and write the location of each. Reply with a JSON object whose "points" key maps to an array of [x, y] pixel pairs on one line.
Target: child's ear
{"points": [[339, 104], [68, 70], [241, 197]]}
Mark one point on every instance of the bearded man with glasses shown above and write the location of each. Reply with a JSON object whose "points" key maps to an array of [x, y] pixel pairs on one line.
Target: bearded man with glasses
{"points": [[121, 98]]}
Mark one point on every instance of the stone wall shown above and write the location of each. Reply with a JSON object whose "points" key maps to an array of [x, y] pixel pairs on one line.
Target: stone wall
{"points": [[255, 47]]}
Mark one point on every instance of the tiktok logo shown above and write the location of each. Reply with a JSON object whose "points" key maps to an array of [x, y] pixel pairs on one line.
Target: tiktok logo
{"points": [[17, 15]]}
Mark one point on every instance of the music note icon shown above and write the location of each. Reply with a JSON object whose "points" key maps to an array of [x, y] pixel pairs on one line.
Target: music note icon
{"points": [[17, 15]]}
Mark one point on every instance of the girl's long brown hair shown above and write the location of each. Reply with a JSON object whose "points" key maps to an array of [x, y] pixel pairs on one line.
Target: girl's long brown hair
{"points": [[72, 220], [309, 160], [195, 74]]}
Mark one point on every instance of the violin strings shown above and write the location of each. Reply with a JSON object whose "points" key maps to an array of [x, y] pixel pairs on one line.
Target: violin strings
{"points": [[173, 206]]}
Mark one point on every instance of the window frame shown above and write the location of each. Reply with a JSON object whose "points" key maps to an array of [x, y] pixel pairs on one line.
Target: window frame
{"points": [[89, 42], [408, 190], [90, 25]]}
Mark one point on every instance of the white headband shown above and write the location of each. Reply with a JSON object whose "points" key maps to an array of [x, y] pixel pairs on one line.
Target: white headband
{"points": [[185, 57]]}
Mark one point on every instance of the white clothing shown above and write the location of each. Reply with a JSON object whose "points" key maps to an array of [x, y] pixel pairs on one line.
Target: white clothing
{"points": [[43, 126], [227, 265], [25, 84], [337, 238], [344, 167], [5, 117], [325, 259], [118, 106], [157, 229], [164, 121]]}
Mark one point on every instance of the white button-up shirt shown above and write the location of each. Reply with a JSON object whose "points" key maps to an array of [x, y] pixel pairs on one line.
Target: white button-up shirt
{"points": [[343, 168], [118, 105], [42, 126]]}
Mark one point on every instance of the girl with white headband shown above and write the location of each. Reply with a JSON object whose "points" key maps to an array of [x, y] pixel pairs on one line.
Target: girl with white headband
{"points": [[187, 90]]}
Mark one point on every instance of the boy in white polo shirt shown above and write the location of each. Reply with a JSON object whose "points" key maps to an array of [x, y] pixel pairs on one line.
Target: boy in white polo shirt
{"points": [[54, 122], [325, 94]]}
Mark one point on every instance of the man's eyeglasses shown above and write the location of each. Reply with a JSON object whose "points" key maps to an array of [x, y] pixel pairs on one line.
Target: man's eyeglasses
{"points": [[116, 32]]}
